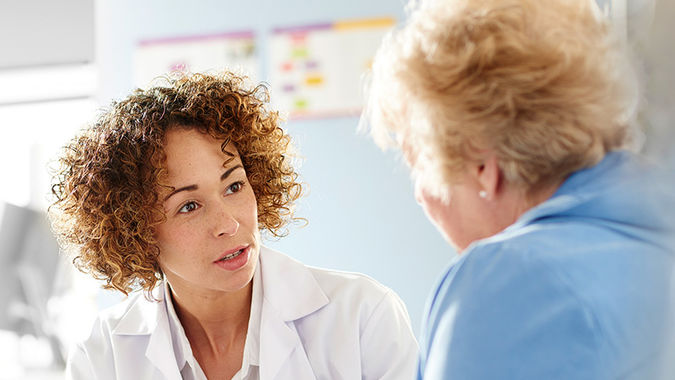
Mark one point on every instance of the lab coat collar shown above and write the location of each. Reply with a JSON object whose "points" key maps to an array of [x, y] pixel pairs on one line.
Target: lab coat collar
{"points": [[290, 292], [142, 317], [150, 318], [289, 287], [160, 350]]}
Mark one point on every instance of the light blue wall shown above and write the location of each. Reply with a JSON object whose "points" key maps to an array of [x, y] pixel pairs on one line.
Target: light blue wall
{"points": [[361, 210]]}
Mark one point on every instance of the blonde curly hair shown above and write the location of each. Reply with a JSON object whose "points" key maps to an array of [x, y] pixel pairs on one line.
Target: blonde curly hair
{"points": [[540, 83], [108, 185]]}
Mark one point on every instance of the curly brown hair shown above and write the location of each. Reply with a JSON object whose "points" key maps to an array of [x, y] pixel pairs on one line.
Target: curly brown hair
{"points": [[108, 183]]}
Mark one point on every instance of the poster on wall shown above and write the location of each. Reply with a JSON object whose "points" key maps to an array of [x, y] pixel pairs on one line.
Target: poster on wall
{"points": [[234, 51], [316, 70]]}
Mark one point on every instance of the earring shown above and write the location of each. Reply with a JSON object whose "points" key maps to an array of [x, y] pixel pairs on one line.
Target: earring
{"points": [[482, 194]]}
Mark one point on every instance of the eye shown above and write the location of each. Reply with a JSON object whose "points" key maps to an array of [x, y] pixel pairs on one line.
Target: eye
{"points": [[235, 187], [188, 207]]}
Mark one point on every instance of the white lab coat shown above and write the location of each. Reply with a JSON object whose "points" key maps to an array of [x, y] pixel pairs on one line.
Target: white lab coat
{"points": [[315, 324]]}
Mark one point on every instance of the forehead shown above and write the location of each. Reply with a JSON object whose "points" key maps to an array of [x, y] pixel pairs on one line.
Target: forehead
{"points": [[189, 151], [180, 137]]}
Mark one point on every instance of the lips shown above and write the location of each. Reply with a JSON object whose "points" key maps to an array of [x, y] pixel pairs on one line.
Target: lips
{"points": [[231, 254], [234, 259]]}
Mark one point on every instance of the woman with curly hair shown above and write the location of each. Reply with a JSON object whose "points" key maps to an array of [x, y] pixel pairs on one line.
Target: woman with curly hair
{"points": [[168, 192], [514, 116]]}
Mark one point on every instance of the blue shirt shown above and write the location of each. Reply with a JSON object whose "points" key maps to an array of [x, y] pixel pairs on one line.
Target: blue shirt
{"points": [[580, 287]]}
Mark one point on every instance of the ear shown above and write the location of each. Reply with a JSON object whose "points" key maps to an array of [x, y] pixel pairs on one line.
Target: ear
{"points": [[488, 176]]}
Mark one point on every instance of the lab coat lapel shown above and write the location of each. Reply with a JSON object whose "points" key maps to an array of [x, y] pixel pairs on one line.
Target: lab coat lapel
{"points": [[149, 322], [290, 293], [281, 351], [160, 352]]}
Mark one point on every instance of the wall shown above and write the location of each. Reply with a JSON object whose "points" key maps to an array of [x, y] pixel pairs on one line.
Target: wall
{"points": [[361, 210], [40, 32]]}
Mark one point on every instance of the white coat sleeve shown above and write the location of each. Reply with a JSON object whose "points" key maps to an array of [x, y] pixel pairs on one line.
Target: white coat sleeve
{"points": [[388, 346]]}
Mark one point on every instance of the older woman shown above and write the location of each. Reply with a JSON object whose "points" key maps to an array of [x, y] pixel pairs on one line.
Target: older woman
{"points": [[513, 117], [168, 192]]}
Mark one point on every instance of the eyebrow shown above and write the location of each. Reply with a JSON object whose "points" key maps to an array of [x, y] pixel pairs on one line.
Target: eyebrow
{"points": [[195, 187]]}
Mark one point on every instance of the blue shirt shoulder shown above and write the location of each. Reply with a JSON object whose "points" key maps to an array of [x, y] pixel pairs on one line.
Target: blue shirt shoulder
{"points": [[581, 287]]}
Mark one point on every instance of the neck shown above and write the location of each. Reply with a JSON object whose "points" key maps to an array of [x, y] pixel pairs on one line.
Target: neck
{"points": [[522, 201], [216, 321]]}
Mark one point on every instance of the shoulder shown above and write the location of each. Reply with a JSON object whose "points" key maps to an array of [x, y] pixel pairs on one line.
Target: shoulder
{"points": [[373, 302], [134, 315], [95, 356], [348, 321], [379, 322], [572, 258], [529, 270], [348, 284], [334, 284], [299, 290], [511, 298]]}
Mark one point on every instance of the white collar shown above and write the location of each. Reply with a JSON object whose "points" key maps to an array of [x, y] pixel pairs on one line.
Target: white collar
{"points": [[252, 345], [288, 291]]}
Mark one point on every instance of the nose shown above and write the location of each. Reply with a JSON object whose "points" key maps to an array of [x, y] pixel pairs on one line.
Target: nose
{"points": [[224, 223]]}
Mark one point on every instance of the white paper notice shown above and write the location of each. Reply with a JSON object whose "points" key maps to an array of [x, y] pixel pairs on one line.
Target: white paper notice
{"points": [[210, 54]]}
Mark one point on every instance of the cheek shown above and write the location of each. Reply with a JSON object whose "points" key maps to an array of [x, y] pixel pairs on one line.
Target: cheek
{"points": [[172, 237], [432, 206], [161, 234], [435, 209], [442, 214], [251, 206]]}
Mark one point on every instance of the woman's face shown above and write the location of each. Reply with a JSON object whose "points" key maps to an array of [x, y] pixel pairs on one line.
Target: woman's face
{"points": [[458, 217], [461, 215], [210, 239]]}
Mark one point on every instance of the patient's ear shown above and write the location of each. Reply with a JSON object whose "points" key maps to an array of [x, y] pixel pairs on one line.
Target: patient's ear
{"points": [[488, 176]]}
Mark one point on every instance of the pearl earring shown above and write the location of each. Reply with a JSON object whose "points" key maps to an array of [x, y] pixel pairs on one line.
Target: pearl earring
{"points": [[482, 194]]}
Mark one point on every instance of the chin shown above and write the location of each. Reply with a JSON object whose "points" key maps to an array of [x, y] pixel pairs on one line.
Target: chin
{"points": [[234, 283], [458, 248], [449, 239], [241, 278], [458, 245]]}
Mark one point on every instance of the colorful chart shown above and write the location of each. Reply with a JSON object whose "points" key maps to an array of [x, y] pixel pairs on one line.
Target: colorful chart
{"points": [[316, 70]]}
